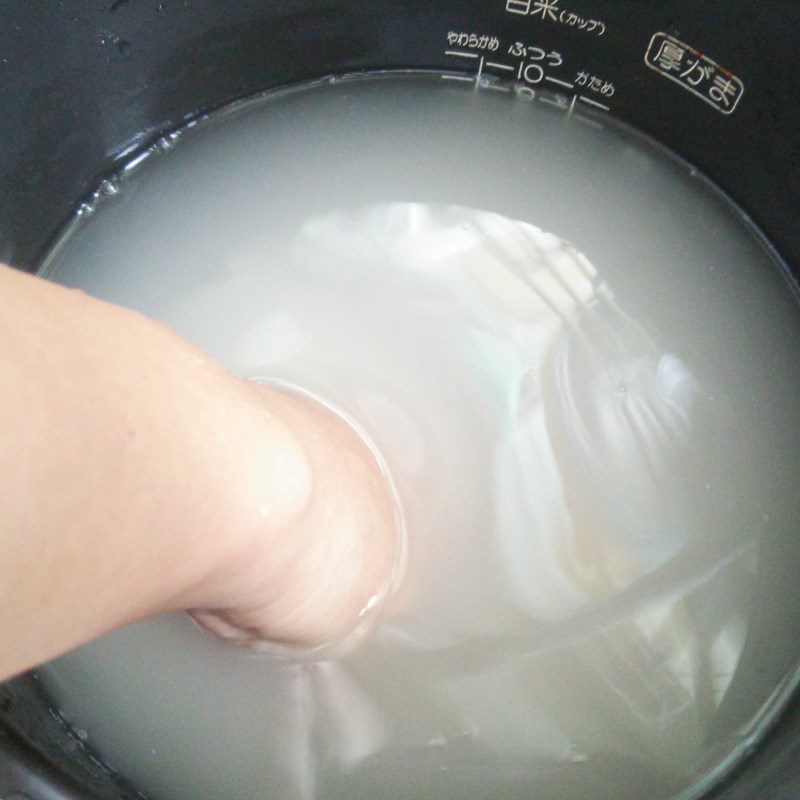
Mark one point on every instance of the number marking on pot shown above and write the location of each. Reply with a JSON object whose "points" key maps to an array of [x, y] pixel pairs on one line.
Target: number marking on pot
{"points": [[530, 64]]}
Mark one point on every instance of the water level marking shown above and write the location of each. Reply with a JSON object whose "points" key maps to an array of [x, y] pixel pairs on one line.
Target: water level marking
{"points": [[496, 65], [572, 105], [560, 82], [594, 103]]}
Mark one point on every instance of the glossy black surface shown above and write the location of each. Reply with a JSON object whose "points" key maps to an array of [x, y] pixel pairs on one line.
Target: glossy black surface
{"points": [[84, 84]]}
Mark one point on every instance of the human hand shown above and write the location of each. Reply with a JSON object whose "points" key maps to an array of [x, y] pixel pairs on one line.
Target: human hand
{"points": [[141, 477]]}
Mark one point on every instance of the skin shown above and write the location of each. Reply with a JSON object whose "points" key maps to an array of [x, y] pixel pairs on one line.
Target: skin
{"points": [[140, 477]]}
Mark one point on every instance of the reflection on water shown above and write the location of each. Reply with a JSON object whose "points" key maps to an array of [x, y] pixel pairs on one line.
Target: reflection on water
{"points": [[609, 443]]}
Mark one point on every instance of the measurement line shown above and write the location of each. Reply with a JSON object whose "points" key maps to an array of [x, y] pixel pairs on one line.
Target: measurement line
{"points": [[495, 88], [572, 104], [478, 80], [460, 53], [560, 83], [499, 66], [552, 103], [594, 103], [457, 78]]}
